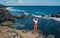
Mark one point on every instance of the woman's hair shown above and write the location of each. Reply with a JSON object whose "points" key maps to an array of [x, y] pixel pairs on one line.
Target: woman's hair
{"points": [[35, 18]]}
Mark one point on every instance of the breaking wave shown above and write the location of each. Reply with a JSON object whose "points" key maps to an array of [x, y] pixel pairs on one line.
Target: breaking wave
{"points": [[11, 9], [38, 16], [47, 17]]}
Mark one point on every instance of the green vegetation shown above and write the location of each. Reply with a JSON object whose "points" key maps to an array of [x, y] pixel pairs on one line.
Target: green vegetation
{"points": [[7, 23], [1, 5], [5, 17]]}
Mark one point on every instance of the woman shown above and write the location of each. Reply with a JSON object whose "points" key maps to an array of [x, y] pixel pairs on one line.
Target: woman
{"points": [[35, 23]]}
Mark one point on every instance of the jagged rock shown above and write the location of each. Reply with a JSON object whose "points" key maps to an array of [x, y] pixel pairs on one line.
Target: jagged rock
{"points": [[55, 15], [6, 23], [23, 16], [1, 5], [2, 17], [5, 15], [51, 36], [41, 35], [6, 32]]}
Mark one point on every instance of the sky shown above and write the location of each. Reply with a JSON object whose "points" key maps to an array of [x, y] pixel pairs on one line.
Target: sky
{"points": [[30, 2]]}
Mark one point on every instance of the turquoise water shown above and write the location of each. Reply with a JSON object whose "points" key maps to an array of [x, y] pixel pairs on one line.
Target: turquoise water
{"points": [[48, 26]]}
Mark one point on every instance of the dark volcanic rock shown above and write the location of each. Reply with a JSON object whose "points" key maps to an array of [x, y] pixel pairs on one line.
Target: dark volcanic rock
{"points": [[5, 15], [55, 15], [1, 5], [23, 16], [2, 17]]}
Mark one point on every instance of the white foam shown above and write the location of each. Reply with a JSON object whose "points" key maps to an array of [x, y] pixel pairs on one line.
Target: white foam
{"points": [[54, 18], [8, 8], [47, 17], [39, 16], [58, 19], [26, 13], [11, 9]]}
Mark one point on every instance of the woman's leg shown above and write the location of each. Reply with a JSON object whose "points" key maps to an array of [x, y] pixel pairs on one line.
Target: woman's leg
{"points": [[35, 27]]}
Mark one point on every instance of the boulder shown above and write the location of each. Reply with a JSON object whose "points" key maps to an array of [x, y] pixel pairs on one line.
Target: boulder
{"points": [[5, 15], [55, 15]]}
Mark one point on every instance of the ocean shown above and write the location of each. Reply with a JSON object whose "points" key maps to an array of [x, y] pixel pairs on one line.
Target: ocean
{"points": [[47, 26]]}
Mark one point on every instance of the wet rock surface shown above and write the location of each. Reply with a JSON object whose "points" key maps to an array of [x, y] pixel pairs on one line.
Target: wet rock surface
{"points": [[5, 15], [6, 32], [55, 15]]}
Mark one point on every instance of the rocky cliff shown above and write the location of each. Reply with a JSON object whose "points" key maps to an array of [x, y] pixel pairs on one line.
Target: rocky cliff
{"points": [[6, 32]]}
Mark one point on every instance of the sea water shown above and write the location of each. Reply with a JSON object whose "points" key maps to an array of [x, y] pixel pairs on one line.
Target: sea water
{"points": [[47, 26]]}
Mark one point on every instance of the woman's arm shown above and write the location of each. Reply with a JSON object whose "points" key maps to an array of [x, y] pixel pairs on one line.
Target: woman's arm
{"points": [[36, 21]]}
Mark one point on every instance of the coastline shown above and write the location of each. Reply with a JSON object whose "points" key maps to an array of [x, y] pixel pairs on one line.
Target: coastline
{"points": [[14, 33]]}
